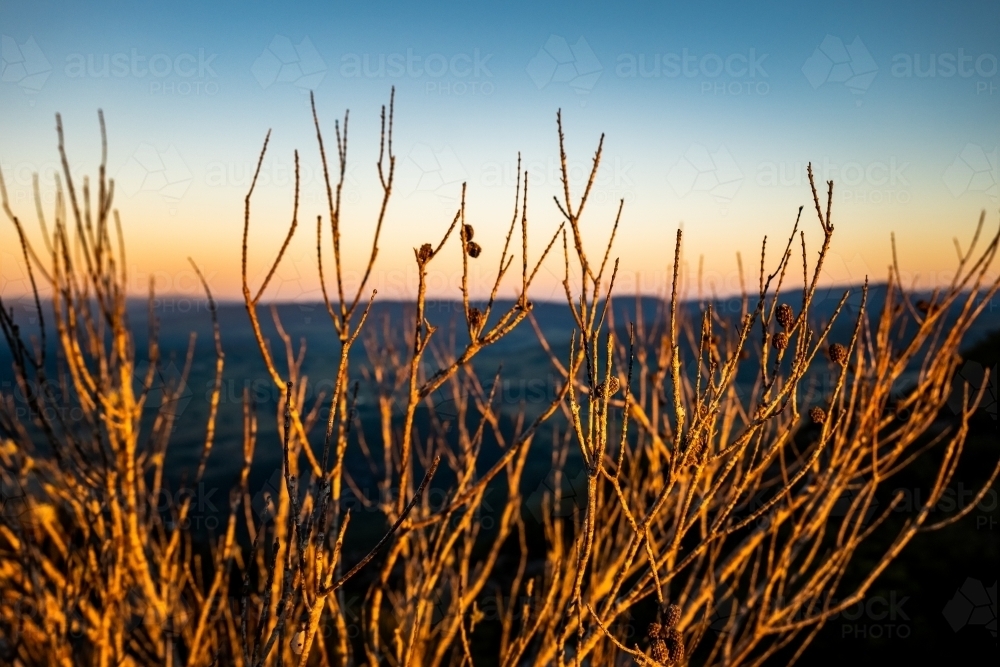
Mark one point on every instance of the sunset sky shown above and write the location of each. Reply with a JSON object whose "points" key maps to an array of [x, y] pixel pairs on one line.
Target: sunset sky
{"points": [[711, 112]]}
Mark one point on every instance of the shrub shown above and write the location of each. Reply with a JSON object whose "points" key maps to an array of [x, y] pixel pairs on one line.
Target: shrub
{"points": [[719, 508]]}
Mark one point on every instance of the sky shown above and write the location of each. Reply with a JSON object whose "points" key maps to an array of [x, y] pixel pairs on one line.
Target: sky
{"points": [[710, 112]]}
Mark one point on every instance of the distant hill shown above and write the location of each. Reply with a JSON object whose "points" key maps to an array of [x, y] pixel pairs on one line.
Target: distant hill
{"points": [[527, 373]]}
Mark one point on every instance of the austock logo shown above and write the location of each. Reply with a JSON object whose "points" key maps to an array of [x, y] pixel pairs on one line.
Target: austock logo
{"points": [[284, 62], [265, 501], [563, 495], [513, 394], [982, 67], [139, 612], [182, 74], [276, 172], [702, 171], [414, 66], [151, 170], [725, 614], [848, 504], [23, 64], [973, 604], [613, 180], [55, 400], [167, 391], [15, 290], [851, 501], [328, 628], [436, 172], [202, 514], [952, 500], [262, 390], [455, 74], [841, 275], [835, 62], [876, 182], [446, 408], [373, 499], [974, 374], [439, 607], [559, 62], [732, 74], [872, 617], [974, 170], [295, 281], [13, 500]]}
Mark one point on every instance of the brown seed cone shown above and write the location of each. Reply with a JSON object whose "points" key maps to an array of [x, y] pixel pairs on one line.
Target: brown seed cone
{"points": [[696, 449], [475, 317], [786, 316], [473, 249], [675, 645], [425, 253], [780, 341], [659, 652], [673, 614], [468, 231], [838, 354], [602, 391], [657, 647], [818, 415]]}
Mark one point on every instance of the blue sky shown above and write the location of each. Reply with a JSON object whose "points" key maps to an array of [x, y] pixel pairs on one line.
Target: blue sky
{"points": [[710, 111]]}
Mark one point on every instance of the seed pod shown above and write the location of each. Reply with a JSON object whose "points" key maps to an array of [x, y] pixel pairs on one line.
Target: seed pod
{"points": [[298, 642], [818, 415], [657, 647], [475, 318], [425, 253], [696, 448], [780, 341], [672, 616], [473, 249], [675, 645], [602, 392], [468, 231], [838, 354], [924, 307], [786, 316]]}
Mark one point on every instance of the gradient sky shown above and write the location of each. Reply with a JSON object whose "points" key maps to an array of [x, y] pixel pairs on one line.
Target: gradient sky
{"points": [[711, 112]]}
